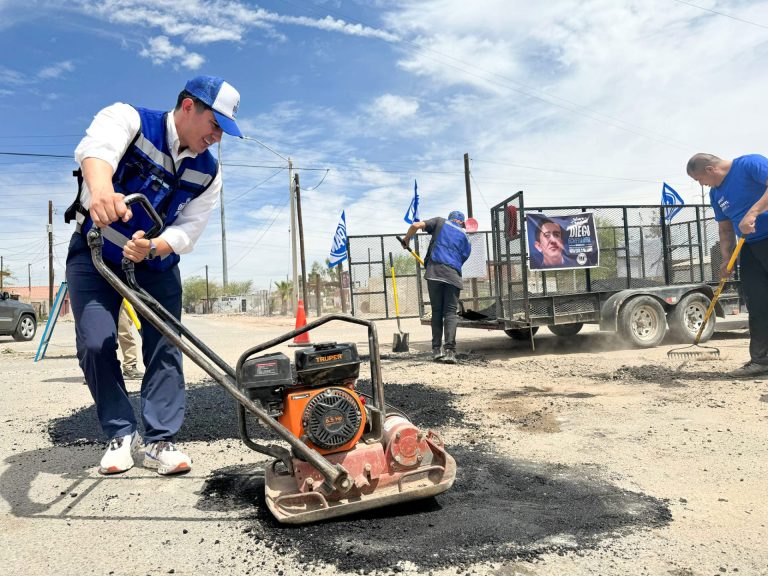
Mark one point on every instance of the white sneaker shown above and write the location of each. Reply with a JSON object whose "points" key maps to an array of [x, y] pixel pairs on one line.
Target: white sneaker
{"points": [[119, 455], [166, 458]]}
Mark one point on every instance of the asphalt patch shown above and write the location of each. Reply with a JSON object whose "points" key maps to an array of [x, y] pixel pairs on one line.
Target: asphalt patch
{"points": [[498, 509], [212, 414], [652, 374]]}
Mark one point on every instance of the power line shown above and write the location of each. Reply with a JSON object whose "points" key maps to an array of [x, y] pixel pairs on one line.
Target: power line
{"points": [[32, 155], [723, 14], [521, 88]]}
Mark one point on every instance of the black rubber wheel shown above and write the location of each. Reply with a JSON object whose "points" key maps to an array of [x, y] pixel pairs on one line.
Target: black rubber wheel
{"points": [[685, 319], [520, 333], [26, 329], [642, 322], [565, 330]]}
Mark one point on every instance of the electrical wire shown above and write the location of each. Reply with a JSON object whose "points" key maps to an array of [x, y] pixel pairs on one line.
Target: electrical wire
{"points": [[275, 173], [321, 181], [256, 242], [515, 86], [742, 20]]}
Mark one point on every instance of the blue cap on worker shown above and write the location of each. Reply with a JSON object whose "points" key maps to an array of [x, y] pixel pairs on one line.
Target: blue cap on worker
{"points": [[457, 216], [221, 97]]}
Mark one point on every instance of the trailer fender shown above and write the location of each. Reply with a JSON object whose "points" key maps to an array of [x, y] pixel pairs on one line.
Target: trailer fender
{"points": [[668, 297]]}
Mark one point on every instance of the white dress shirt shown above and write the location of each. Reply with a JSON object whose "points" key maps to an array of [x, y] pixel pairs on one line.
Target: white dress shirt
{"points": [[108, 137]]}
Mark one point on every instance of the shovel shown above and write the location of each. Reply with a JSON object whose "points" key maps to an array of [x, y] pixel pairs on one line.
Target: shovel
{"points": [[400, 339], [694, 350], [405, 246]]}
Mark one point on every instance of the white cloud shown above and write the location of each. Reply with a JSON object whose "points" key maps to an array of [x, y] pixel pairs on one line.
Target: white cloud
{"points": [[161, 51], [392, 109], [56, 70]]}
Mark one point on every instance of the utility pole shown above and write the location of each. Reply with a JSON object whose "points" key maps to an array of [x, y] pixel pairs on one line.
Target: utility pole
{"points": [[2, 273], [468, 187], [293, 235], [29, 281], [223, 227], [207, 293], [301, 241], [50, 255]]}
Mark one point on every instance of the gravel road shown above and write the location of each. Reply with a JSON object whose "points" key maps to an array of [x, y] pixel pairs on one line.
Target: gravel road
{"points": [[582, 457]]}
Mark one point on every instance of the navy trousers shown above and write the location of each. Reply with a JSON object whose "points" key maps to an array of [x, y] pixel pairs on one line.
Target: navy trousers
{"points": [[95, 305], [444, 299], [753, 267]]}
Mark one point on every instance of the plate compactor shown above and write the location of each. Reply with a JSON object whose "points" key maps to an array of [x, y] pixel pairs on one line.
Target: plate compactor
{"points": [[348, 452]]}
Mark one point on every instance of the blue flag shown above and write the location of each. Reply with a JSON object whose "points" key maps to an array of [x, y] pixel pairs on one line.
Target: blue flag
{"points": [[339, 246], [670, 197], [412, 214]]}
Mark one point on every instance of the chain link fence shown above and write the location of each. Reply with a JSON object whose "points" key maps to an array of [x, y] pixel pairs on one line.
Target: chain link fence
{"points": [[371, 284]]}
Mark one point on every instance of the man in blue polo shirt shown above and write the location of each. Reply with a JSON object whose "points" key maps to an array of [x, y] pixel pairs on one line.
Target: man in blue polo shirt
{"points": [[739, 197]]}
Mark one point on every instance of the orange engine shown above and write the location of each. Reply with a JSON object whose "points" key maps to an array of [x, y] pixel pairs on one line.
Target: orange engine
{"points": [[317, 404], [328, 419]]}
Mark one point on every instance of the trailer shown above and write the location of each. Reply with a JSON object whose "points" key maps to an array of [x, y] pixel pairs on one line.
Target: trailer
{"points": [[656, 272], [653, 273]]}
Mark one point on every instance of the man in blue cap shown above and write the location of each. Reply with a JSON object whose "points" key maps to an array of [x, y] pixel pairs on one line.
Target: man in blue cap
{"points": [[448, 249], [163, 155]]}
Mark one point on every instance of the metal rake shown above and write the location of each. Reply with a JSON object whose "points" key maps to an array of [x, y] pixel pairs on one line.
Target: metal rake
{"points": [[696, 350]]}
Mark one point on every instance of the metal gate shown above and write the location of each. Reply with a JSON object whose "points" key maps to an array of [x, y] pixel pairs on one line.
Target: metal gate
{"points": [[371, 285]]}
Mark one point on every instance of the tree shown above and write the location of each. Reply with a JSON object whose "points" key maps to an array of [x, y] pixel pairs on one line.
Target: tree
{"points": [[405, 265], [284, 293], [237, 288], [6, 275], [320, 269], [194, 290]]}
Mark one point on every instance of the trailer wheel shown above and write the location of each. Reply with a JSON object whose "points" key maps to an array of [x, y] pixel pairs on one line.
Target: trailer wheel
{"points": [[520, 333], [685, 319], [642, 322], [565, 330]]}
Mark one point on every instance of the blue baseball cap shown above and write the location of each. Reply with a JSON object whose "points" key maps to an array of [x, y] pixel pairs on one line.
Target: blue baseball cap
{"points": [[457, 215], [221, 97]]}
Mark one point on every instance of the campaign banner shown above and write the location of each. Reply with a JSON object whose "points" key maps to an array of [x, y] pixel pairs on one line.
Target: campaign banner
{"points": [[562, 242]]}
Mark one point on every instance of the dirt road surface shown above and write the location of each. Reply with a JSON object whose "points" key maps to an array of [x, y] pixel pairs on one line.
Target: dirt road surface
{"points": [[582, 457]]}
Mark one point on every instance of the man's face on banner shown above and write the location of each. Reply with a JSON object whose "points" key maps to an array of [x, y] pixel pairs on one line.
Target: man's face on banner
{"points": [[550, 244]]}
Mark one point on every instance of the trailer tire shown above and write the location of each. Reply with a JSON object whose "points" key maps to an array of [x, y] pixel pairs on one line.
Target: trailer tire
{"points": [[685, 319], [642, 322], [520, 333], [566, 330]]}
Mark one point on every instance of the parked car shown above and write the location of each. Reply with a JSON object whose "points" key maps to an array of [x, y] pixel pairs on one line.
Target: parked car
{"points": [[17, 319]]}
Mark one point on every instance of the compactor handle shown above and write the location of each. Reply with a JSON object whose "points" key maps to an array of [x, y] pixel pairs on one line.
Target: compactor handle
{"points": [[147, 205]]}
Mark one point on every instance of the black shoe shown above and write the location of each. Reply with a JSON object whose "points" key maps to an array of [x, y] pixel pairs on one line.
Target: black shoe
{"points": [[437, 354], [750, 370], [132, 373], [450, 357]]}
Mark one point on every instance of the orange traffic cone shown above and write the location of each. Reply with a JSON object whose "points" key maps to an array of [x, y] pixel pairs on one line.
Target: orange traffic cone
{"points": [[301, 321]]}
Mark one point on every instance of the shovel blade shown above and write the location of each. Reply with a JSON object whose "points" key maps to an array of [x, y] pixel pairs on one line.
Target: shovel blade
{"points": [[400, 342]]}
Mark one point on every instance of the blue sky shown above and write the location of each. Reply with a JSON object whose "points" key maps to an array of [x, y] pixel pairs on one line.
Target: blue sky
{"points": [[575, 102]]}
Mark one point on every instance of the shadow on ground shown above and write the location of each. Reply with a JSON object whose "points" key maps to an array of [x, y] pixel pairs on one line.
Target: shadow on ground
{"points": [[497, 509], [211, 414]]}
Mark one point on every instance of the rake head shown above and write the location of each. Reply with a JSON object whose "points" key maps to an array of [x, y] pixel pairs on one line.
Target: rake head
{"points": [[694, 352]]}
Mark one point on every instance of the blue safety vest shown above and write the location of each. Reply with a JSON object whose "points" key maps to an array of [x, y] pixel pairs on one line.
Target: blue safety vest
{"points": [[451, 246], [147, 168]]}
